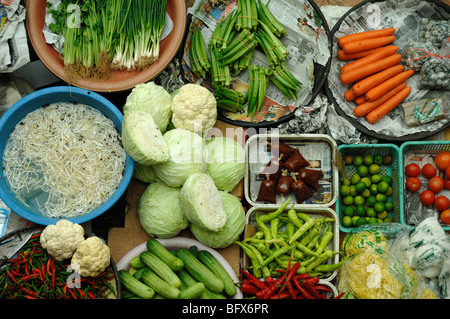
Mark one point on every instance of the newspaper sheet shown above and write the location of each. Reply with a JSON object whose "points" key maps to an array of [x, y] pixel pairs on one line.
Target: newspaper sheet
{"points": [[404, 15], [13, 36], [307, 43]]}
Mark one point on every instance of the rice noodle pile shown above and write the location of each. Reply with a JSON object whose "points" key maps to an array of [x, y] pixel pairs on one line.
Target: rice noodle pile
{"points": [[69, 156]]}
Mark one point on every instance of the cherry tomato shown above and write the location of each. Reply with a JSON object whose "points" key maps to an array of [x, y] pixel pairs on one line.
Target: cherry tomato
{"points": [[429, 170], [413, 184], [445, 216], [427, 197], [447, 172], [442, 160], [436, 184], [412, 170], [447, 183], [441, 202]]}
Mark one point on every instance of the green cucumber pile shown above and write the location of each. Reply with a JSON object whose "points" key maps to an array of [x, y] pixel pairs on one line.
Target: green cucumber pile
{"points": [[182, 274]]}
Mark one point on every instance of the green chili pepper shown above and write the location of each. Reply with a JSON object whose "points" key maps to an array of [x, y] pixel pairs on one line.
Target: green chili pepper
{"points": [[256, 267], [264, 269], [321, 259], [324, 240], [294, 218], [263, 227], [283, 250], [307, 225], [268, 217], [306, 250], [330, 267]]}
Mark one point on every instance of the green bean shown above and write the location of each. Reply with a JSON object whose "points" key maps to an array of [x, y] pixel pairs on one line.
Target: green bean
{"points": [[268, 217]]}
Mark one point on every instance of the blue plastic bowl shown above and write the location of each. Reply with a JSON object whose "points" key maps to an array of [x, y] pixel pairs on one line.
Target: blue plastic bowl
{"points": [[41, 98]]}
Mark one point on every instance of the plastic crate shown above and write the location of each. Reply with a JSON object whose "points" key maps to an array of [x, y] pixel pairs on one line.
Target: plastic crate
{"points": [[420, 153], [391, 170]]}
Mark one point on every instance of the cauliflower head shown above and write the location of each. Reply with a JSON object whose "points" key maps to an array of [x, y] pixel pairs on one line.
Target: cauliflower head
{"points": [[194, 108], [92, 257], [62, 239]]}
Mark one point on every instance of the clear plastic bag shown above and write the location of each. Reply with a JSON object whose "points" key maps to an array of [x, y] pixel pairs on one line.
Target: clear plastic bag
{"points": [[434, 31], [435, 74]]}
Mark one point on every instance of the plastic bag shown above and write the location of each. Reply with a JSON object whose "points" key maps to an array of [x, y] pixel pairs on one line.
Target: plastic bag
{"points": [[435, 74], [434, 31], [417, 53], [12, 89]]}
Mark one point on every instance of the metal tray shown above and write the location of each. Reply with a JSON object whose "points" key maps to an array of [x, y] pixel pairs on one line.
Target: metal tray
{"points": [[317, 148]]}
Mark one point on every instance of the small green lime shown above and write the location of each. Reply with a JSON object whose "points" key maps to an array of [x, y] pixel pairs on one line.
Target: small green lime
{"points": [[366, 180], [346, 181], [360, 210], [370, 212], [348, 160], [380, 221], [383, 187], [355, 178], [381, 198], [363, 170], [344, 190], [379, 207], [371, 200], [374, 169], [361, 221], [388, 179], [388, 220], [365, 193], [359, 200], [348, 200], [360, 186], [387, 160], [373, 220], [353, 191], [348, 211], [382, 215], [347, 221], [357, 160], [354, 220], [373, 189], [389, 191], [368, 160], [389, 206], [375, 179], [378, 159]]}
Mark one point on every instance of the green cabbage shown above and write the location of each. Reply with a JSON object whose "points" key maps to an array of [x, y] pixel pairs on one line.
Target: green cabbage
{"points": [[144, 173], [185, 157], [151, 98], [160, 211], [226, 162], [202, 203], [142, 139], [233, 228]]}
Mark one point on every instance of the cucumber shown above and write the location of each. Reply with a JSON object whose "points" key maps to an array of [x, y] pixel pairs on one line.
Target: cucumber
{"points": [[134, 286], [160, 268], [199, 271], [155, 247], [160, 286], [216, 267], [128, 295], [137, 263], [193, 292], [187, 281], [138, 273]]}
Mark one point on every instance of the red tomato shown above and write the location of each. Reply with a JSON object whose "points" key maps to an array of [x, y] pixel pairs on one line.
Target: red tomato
{"points": [[447, 172], [442, 160], [441, 202], [429, 170], [445, 216], [413, 184], [436, 184], [447, 183], [427, 197], [412, 170]]}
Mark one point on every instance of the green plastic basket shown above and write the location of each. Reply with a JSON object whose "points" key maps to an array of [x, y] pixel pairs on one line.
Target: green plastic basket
{"points": [[428, 148], [391, 170]]}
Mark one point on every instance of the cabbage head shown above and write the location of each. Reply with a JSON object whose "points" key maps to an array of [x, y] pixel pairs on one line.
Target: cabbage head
{"points": [[202, 203], [152, 98], [226, 162], [233, 228], [160, 211], [186, 150], [144, 173]]}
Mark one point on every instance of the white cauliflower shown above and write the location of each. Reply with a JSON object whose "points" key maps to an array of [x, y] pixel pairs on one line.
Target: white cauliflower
{"points": [[194, 108], [92, 257], [62, 239]]}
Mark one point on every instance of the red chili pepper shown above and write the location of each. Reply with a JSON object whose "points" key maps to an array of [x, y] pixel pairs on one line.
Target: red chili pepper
{"points": [[91, 295], [303, 292], [269, 280], [322, 288], [291, 273], [35, 236], [28, 292], [248, 288], [302, 276], [340, 295], [292, 292], [82, 293], [15, 272], [43, 271], [29, 277], [72, 294], [11, 276], [53, 266], [311, 289], [255, 281], [269, 291], [313, 280], [282, 295]]}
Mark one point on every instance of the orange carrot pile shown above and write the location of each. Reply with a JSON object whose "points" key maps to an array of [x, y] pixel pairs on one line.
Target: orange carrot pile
{"points": [[374, 72]]}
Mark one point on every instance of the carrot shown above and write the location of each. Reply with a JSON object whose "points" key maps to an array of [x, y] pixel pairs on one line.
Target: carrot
{"points": [[368, 106], [349, 95], [367, 44], [373, 57], [385, 86], [369, 82], [376, 114], [369, 69], [364, 35], [360, 99], [342, 56]]}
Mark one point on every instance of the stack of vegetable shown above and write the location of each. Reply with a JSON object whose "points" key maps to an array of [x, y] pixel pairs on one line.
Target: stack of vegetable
{"points": [[100, 36], [231, 54], [376, 76], [58, 263], [183, 274], [283, 237]]}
